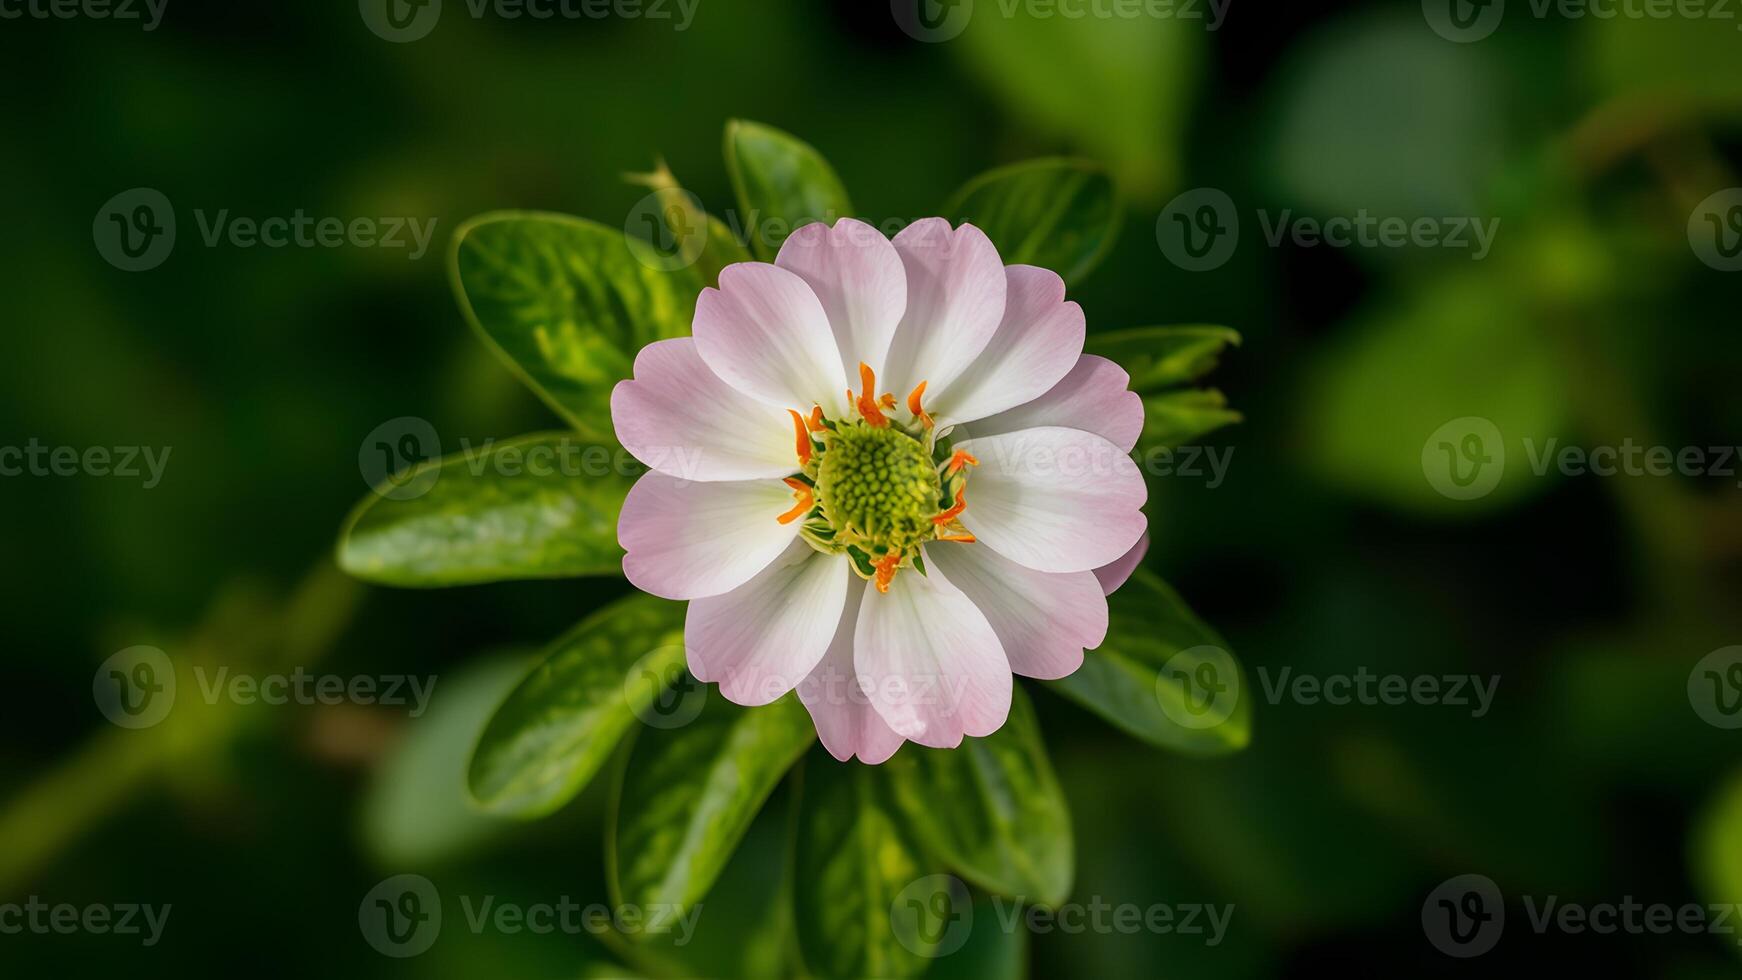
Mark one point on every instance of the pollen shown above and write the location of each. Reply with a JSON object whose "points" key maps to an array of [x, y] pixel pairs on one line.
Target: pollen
{"points": [[877, 487]]}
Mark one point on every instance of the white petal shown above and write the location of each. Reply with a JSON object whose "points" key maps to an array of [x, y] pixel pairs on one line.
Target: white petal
{"points": [[955, 300], [931, 663], [846, 722], [1035, 347], [857, 275], [1054, 499], [1116, 574], [761, 639], [1093, 397], [679, 418], [688, 540], [1043, 620], [765, 333]]}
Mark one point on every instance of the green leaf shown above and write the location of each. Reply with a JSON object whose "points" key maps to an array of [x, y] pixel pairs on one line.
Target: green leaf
{"points": [[687, 794], [1163, 357], [688, 234], [992, 809], [991, 951], [1060, 214], [1118, 89], [537, 506], [1179, 417], [567, 306], [855, 858], [782, 184], [417, 810], [1142, 675], [563, 720], [1717, 844]]}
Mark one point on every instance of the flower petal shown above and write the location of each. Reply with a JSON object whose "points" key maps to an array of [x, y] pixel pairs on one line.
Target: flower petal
{"points": [[679, 418], [930, 662], [765, 333], [1116, 574], [688, 540], [1054, 499], [1035, 347], [1094, 397], [857, 275], [1043, 620], [955, 300], [846, 722], [760, 639]]}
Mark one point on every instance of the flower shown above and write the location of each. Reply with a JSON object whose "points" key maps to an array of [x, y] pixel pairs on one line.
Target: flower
{"points": [[892, 559]]}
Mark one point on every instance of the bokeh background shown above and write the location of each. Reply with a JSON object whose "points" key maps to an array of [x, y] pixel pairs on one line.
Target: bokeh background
{"points": [[1592, 320]]}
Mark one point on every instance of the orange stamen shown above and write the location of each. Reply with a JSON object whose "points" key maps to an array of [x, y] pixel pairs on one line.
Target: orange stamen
{"points": [[963, 538], [886, 570], [954, 512], [959, 459], [806, 497], [867, 397], [816, 419], [918, 410], [804, 438]]}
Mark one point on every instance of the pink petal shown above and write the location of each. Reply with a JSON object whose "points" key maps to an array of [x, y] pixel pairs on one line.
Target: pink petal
{"points": [[857, 275], [765, 333], [1093, 397], [689, 540], [679, 418], [1036, 345], [930, 662], [1044, 621], [760, 639], [846, 722], [1054, 499], [955, 300], [1114, 575]]}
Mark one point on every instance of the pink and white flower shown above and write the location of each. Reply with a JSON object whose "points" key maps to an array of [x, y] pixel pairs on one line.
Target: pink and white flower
{"points": [[894, 561]]}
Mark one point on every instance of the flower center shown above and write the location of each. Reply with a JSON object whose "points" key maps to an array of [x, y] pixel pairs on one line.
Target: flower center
{"points": [[875, 488]]}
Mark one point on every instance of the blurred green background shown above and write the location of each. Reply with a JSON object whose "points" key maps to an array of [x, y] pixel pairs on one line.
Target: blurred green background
{"points": [[1592, 320]]}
